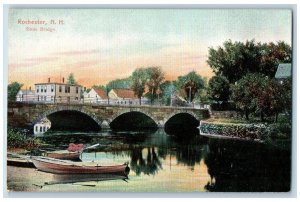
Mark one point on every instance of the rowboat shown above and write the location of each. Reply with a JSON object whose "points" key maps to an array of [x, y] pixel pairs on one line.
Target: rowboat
{"points": [[57, 166], [64, 155], [72, 153]]}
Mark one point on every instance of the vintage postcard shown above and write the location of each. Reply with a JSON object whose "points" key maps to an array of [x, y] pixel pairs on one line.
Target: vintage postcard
{"points": [[149, 100]]}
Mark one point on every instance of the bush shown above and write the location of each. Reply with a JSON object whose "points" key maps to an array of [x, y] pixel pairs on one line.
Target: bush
{"points": [[18, 139]]}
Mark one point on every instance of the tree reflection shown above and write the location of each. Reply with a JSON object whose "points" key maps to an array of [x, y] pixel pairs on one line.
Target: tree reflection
{"points": [[245, 166], [148, 165]]}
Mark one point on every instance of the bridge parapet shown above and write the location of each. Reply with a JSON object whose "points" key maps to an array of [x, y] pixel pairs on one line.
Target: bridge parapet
{"points": [[22, 114]]}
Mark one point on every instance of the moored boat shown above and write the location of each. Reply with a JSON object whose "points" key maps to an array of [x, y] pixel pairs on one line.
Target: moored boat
{"points": [[64, 155], [56, 166]]}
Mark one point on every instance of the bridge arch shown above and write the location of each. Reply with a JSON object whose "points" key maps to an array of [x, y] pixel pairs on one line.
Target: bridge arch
{"points": [[52, 111], [181, 112], [126, 111]]}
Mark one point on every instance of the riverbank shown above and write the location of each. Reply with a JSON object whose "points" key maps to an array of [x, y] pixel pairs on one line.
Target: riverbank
{"points": [[240, 129]]}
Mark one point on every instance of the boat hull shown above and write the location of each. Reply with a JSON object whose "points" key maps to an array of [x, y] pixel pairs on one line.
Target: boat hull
{"points": [[56, 167], [74, 156]]}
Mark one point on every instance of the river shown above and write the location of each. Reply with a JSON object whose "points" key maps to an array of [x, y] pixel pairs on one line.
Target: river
{"points": [[161, 162]]}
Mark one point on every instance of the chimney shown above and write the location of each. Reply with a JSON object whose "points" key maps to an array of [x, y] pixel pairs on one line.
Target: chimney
{"points": [[63, 79], [48, 80], [29, 87], [84, 88]]}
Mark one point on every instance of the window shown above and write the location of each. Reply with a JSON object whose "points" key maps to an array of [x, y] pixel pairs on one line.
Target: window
{"points": [[36, 128], [45, 87], [60, 89], [44, 129], [37, 89], [67, 89], [41, 128], [52, 98], [52, 88], [77, 90], [42, 90]]}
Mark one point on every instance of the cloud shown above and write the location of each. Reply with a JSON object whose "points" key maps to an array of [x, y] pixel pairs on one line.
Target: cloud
{"points": [[41, 59], [76, 52]]}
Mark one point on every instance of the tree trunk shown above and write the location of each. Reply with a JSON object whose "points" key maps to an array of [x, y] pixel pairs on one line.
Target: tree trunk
{"points": [[276, 117], [262, 116], [247, 114]]}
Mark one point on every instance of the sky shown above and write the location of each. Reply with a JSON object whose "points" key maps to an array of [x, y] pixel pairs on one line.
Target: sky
{"points": [[100, 45]]}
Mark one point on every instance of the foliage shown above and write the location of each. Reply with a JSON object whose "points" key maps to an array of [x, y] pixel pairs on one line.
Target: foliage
{"points": [[18, 139], [12, 90], [234, 60], [124, 83], [71, 79], [156, 77], [219, 88], [190, 83], [99, 87], [167, 91], [139, 79], [246, 91]]}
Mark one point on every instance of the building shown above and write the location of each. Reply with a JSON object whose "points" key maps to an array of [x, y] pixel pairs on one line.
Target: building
{"points": [[52, 92], [125, 97], [95, 96], [283, 72], [41, 127], [25, 96]]}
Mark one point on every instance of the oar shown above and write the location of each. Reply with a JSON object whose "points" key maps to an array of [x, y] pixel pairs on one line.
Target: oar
{"points": [[90, 147]]}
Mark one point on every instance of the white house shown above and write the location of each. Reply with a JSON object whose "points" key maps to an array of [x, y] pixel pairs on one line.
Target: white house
{"points": [[95, 96], [41, 127], [25, 96], [53, 92], [284, 71], [125, 97]]}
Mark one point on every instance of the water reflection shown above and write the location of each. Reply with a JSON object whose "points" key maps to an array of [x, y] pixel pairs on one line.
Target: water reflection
{"points": [[232, 165], [239, 166]]}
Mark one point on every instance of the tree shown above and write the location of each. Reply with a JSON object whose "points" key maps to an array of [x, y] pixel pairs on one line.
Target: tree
{"points": [[219, 89], [71, 79], [156, 77], [139, 79], [167, 91], [12, 90], [191, 84], [234, 60], [246, 91], [124, 83], [99, 87]]}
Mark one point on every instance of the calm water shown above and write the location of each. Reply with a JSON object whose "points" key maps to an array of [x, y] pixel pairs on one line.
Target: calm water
{"points": [[160, 162]]}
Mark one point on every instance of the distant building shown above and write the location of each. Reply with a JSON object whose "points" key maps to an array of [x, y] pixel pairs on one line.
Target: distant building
{"points": [[283, 72], [25, 96], [95, 96], [125, 97], [57, 92], [41, 127]]}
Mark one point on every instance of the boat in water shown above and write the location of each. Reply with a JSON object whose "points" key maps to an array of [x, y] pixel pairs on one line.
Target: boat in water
{"points": [[57, 166], [72, 153]]}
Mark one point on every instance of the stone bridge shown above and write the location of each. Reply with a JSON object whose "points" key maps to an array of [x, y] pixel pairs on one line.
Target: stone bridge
{"points": [[27, 114]]}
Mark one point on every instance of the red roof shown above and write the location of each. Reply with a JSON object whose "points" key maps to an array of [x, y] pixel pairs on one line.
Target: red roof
{"points": [[101, 93], [125, 93]]}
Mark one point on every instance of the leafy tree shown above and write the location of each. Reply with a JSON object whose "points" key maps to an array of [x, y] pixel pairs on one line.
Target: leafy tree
{"points": [[167, 90], [71, 79], [100, 87], [191, 84], [234, 60], [119, 83], [12, 90], [246, 91], [219, 89], [139, 79], [156, 77]]}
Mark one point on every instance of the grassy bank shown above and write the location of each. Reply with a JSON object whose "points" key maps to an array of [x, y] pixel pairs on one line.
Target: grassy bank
{"points": [[252, 130]]}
